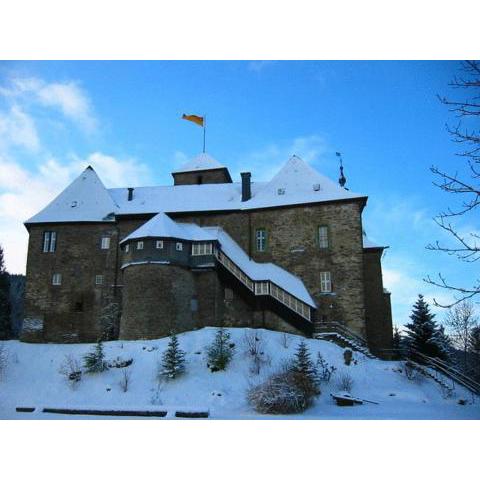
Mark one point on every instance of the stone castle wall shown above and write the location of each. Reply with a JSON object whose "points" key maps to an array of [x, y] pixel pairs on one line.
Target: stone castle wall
{"points": [[192, 299], [69, 312]]}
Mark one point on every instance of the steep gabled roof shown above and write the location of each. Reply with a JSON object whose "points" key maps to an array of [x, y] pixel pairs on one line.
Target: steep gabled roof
{"points": [[162, 226], [296, 183], [85, 200], [201, 162]]}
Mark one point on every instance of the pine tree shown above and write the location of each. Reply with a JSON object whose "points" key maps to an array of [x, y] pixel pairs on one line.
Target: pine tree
{"points": [[5, 326], [422, 334], [173, 360], [220, 352], [304, 371], [397, 341], [94, 361], [302, 362]]}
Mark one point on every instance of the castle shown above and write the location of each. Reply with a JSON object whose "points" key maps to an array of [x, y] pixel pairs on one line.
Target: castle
{"points": [[289, 255]]}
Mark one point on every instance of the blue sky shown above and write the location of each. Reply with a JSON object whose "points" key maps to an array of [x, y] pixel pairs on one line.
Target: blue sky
{"points": [[124, 118]]}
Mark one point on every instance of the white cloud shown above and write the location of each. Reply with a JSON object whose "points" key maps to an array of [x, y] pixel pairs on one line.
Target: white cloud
{"points": [[23, 193], [17, 128], [266, 162], [67, 97]]}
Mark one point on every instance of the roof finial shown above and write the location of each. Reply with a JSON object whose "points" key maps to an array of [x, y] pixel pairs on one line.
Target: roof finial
{"points": [[342, 180]]}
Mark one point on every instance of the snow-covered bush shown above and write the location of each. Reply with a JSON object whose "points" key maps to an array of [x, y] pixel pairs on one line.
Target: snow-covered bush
{"points": [[345, 382], [220, 352], [3, 360], [255, 350], [94, 361], [119, 362], [125, 379], [282, 392], [70, 369], [324, 369], [173, 360]]}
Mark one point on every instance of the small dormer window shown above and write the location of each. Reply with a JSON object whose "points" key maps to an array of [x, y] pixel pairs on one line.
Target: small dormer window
{"points": [[74, 204], [281, 191], [316, 187], [159, 244], [140, 245]]}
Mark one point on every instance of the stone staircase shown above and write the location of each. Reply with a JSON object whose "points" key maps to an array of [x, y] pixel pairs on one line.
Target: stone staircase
{"points": [[341, 335]]}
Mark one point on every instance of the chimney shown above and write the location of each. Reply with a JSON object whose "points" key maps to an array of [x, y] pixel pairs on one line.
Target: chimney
{"points": [[246, 189], [130, 194]]}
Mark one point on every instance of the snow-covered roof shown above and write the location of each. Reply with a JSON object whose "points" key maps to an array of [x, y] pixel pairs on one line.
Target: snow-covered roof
{"points": [[261, 271], [201, 162], [85, 200], [295, 184], [162, 225]]}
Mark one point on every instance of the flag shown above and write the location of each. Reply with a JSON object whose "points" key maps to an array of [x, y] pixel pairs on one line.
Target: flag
{"points": [[194, 118], [338, 154]]}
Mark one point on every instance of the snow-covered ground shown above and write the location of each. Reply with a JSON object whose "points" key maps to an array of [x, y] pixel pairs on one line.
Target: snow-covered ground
{"points": [[32, 378]]}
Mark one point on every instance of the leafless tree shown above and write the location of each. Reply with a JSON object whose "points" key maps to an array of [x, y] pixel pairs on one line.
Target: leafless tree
{"points": [[464, 182], [109, 317], [254, 345], [461, 321], [286, 340], [70, 369], [3, 361], [125, 379]]}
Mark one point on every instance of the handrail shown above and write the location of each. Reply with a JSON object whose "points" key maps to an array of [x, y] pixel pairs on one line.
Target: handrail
{"points": [[439, 366], [450, 371], [339, 328]]}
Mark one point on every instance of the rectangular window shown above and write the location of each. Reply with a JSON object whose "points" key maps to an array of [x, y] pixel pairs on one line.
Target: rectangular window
{"points": [[261, 288], [98, 279], [105, 243], [57, 279], [261, 240], [49, 242], [325, 282], [228, 294], [139, 245], [179, 246], [127, 248], [201, 249], [323, 236], [159, 244]]}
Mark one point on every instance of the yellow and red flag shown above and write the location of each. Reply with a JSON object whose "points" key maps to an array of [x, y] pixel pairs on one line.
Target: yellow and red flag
{"points": [[194, 118]]}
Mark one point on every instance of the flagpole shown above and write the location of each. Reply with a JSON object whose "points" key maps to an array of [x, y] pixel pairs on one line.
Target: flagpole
{"points": [[204, 129]]}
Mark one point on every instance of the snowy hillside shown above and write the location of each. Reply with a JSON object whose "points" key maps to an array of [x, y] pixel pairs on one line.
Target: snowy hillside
{"points": [[32, 378]]}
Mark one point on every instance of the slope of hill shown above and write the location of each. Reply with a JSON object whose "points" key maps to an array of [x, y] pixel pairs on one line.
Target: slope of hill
{"points": [[32, 378]]}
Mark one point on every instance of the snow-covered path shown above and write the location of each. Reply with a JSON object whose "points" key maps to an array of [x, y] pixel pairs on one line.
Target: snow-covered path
{"points": [[32, 379]]}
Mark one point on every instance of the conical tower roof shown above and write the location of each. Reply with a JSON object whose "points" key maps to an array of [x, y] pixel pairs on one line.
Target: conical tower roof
{"points": [[85, 200], [162, 226]]}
